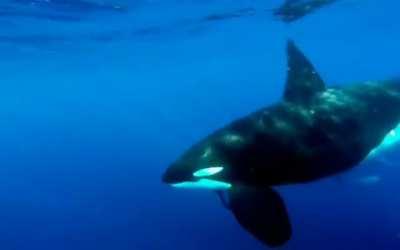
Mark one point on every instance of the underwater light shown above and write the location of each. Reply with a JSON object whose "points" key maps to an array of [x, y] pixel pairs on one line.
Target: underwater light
{"points": [[207, 171]]}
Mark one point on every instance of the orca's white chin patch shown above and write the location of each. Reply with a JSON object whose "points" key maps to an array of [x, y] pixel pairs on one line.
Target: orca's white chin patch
{"points": [[203, 184]]}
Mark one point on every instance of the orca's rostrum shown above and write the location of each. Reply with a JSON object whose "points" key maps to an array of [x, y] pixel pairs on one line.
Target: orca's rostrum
{"points": [[314, 132]]}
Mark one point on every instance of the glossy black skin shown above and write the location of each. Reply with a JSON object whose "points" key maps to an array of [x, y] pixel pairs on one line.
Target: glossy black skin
{"points": [[288, 143], [293, 10], [314, 132]]}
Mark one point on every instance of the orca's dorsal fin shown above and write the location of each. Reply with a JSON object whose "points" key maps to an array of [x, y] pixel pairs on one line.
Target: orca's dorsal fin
{"points": [[303, 81]]}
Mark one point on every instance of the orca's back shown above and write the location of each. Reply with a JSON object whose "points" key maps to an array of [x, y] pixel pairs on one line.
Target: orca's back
{"points": [[349, 123]]}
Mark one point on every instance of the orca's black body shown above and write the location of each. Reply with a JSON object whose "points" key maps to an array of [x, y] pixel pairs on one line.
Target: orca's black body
{"points": [[314, 132], [292, 10]]}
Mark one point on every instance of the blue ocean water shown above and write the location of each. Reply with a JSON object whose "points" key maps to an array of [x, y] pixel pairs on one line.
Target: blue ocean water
{"points": [[98, 97]]}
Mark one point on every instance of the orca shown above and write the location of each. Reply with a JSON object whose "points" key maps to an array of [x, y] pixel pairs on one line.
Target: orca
{"points": [[293, 10], [314, 132]]}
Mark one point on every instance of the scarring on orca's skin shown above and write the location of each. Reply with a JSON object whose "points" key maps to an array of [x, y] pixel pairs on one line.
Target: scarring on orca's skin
{"points": [[293, 10], [314, 132]]}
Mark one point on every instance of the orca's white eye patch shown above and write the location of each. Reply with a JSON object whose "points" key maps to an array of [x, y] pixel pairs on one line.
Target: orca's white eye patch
{"points": [[205, 172]]}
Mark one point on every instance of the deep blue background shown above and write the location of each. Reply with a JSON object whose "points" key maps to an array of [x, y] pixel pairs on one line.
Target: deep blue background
{"points": [[95, 104]]}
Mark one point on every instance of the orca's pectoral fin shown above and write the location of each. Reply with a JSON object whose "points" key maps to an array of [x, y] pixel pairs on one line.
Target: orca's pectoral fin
{"points": [[261, 212], [223, 197]]}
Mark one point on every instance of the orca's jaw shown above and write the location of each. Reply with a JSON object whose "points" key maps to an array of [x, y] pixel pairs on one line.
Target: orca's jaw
{"points": [[203, 183], [196, 178], [203, 178]]}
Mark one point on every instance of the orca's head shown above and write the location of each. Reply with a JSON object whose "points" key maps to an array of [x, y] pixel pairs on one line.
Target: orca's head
{"points": [[207, 165]]}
